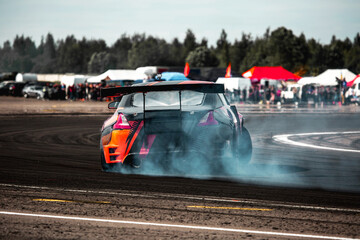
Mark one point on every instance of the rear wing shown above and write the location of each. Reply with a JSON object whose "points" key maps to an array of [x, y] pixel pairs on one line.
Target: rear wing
{"points": [[204, 88]]}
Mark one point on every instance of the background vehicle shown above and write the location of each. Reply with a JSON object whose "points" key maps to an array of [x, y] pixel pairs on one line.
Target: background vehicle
{"points": [[15, 89], [174, 125], [4, 87], [37, 91]]}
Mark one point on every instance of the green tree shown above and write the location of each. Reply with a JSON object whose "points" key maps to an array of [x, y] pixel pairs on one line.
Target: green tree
{"points": [[120, 49], [239, 50], [189, 43], [69, 56], [87, 48], [74, 55], [175, 55], [24, 46], [335, 52], [204, 42], [22, 54], [148, 51], [287, 50], [352, 56], [316, 60], [45, 62], [352, 60], [223, 49], [256, 55], [7, 58], [100, 62], [202, 57]]}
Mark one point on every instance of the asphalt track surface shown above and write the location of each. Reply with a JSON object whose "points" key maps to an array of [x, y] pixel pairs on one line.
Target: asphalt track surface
{"points": [[52, 188]]}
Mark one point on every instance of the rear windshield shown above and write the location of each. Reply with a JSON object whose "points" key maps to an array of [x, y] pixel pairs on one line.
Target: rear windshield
{"points": [[168, 98]]}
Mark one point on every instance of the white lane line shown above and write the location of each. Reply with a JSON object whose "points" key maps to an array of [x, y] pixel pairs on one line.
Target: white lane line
{"points": [[285, 139], [205, 198], [175, 226]]}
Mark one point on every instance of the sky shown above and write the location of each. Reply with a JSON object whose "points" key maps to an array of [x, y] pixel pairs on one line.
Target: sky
{"points": [[167, 19]]}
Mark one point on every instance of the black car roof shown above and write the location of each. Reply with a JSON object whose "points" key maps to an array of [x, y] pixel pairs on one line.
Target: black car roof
{"points": [[199, 86]]}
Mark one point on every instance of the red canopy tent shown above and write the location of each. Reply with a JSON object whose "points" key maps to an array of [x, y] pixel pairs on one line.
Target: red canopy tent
{"points": [[349, 84], [255, 74]]}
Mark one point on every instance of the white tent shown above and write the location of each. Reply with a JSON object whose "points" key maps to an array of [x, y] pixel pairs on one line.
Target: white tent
{"points": [[49, 77], [307, 80], [113, 74], [71, 79], [26, 77], [234, 83], [357, 80], [328, 78], [270, 82]]}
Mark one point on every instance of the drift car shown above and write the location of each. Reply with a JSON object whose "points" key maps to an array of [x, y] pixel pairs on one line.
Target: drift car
{"points": [[163, 122]]}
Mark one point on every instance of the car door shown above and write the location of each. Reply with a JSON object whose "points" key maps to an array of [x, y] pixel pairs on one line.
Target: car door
{"points": [[32, 92]]}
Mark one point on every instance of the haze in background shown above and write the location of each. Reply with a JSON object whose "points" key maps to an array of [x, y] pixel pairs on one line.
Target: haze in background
{"points": [[108, 19]]}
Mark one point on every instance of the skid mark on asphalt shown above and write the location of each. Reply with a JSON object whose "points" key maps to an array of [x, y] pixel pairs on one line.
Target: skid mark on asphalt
{"points": [[69, 201], [232, 208], [234, 230], [175, 196], [285, 139]]}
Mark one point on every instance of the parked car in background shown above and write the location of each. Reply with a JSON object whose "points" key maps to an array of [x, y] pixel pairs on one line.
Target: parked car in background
{"points": [[37, 91], [15, 89], [4, 87]]}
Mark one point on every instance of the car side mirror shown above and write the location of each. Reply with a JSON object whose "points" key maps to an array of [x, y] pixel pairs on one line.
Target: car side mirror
{"points": [[113, 105]]}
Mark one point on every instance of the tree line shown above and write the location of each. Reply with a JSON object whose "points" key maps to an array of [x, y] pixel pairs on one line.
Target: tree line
{"points": [[278, 47]]}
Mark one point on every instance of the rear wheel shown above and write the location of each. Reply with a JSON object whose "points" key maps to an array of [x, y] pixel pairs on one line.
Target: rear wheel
{"points": [[106, 167], [242, 147]]}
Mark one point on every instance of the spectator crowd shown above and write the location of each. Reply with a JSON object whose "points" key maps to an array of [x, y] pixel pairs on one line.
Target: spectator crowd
{"points": [[255, 94], [306, 94]]}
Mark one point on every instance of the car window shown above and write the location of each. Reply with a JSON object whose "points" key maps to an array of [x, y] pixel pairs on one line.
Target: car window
{"points": [[168, 98]]}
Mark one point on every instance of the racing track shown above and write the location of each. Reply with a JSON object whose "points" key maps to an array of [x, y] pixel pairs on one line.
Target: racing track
{"points": [[49, 169]]}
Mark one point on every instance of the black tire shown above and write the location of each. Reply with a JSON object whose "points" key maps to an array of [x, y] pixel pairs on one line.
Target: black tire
{"points": [[243, 147], [106, 167]]}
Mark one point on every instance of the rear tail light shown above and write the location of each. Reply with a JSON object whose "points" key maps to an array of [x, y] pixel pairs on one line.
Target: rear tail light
{"points": [[208, 120], [121, 122]]}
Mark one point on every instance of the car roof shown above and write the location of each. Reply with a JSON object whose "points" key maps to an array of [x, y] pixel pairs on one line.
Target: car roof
{"points": [[160, 83]]}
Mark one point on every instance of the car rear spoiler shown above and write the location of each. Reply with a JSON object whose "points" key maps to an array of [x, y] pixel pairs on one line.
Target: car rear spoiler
{"points": [[204, 88]]}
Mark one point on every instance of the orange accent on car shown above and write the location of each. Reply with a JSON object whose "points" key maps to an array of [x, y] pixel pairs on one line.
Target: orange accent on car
{"points": [[116, 146], [106, 139], [120, 144], [134, 137]]}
